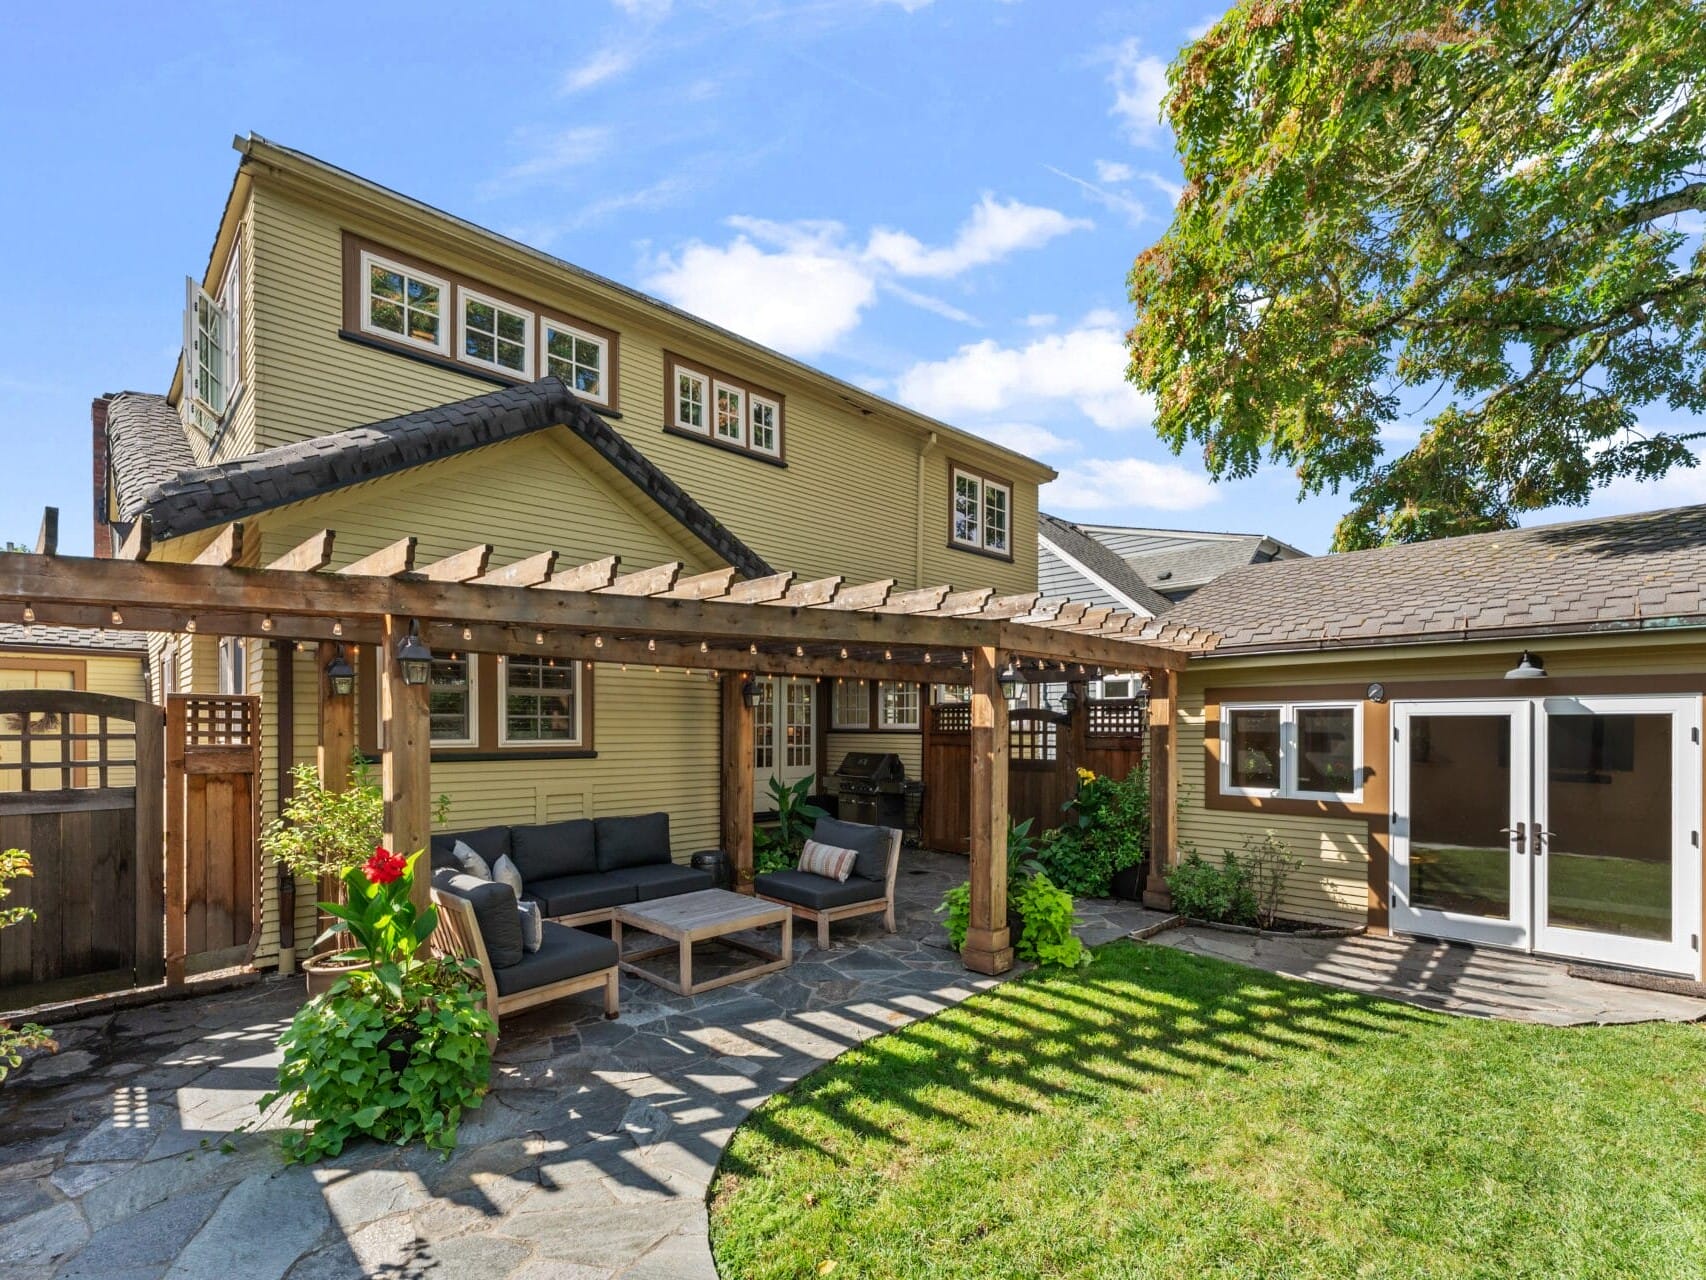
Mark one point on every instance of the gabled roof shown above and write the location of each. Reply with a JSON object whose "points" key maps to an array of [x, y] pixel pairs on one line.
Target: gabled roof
{"points": [[1619, 574], [146, 446], [1079, 554], [1175, 561], [206, 497], [15, 635]]}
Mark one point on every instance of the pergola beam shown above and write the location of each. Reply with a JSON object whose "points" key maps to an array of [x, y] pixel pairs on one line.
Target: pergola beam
{"points": [[523, 573], [309, 556], [387, 562], [464, 566]]}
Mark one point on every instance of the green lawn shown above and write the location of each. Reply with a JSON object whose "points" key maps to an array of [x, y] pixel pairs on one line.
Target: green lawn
{"points": [[1158, 1114]]}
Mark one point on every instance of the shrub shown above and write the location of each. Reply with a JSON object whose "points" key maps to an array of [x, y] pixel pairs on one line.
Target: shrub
{"points": [[14, 865], [1107, 829], [1221, 893], [1269, 860], [1045, 912], [325, 833], [778, 848]]}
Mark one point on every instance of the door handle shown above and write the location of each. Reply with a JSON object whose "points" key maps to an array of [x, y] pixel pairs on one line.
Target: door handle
{"points": [[1518, 833]]}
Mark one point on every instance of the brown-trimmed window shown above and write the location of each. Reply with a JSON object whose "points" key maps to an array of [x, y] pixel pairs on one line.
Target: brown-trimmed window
{"points": [[982, 515], [540, 702], [724, 410]]}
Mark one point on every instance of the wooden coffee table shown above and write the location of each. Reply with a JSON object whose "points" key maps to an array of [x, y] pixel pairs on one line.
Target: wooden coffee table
{"points": [[702, 916]]}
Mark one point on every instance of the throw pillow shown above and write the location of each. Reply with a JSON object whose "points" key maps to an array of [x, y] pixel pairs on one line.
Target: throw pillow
{"points": [[472, 863], [827, 860], [532, 926], [505, 872]]}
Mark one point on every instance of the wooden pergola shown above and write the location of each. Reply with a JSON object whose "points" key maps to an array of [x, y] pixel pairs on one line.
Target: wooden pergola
{"points": [[596, 612]]}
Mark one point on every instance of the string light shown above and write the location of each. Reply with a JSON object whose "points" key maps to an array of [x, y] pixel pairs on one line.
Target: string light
{"points": [[799, 651], [467, 633], [266, 623], [927, 656], [651, 646], [538, 637], [844, 655], [752, 649], [337, 628], [703, 647], [29, 613], [118, 618], [598, 642], [888, 655], [189, 625]]}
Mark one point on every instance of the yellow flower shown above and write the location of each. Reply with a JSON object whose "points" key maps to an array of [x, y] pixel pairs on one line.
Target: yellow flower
{"points": [[1085, 775]]}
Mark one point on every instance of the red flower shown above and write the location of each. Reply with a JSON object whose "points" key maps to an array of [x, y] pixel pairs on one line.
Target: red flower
{"points": [[384, 866]]}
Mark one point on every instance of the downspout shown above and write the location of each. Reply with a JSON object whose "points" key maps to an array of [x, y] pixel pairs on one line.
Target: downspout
{"points": [[924, 451]]}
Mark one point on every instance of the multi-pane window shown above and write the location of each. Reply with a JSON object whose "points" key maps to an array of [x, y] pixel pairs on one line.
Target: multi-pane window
{"points": [[982, 513], [495, 334], [233, 665], [541, 701], [450, 701], [690, 409], [851, 708], [1302, 750], [579, 359], [211, 343], [403, 304], [1114, 688], [765, 438], [764, 730], [801, 747], [731, 414], [897, 705]]}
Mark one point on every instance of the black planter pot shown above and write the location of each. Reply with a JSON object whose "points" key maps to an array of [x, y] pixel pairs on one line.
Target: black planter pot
{"points": [[1127, 883], [399, 1042]]}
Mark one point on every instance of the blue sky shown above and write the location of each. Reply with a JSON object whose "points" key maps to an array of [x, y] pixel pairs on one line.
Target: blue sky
{"points": [[936, 199]]}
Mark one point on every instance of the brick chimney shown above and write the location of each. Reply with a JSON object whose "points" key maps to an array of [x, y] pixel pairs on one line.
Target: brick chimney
{"points": [[103, 528]]}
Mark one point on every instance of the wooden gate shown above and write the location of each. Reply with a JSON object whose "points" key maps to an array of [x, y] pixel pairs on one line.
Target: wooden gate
{"points": [[213, 796], [1045, 749], [80, 790]]}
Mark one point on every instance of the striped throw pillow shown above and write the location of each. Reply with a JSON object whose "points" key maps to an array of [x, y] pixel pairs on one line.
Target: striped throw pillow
{"points": [[827, 860]]}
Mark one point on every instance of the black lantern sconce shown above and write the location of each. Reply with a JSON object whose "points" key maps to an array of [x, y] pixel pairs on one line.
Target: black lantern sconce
{"points": [[413, 657], [340, 675], [749, 692]]}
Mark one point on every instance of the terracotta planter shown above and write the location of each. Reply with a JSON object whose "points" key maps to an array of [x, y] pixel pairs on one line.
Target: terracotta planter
{"points": [[323, 973]]}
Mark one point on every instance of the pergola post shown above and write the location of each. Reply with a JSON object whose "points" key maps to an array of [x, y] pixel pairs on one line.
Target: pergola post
{"points": [[1163, 786], [335, 747], [988, 947], [737, 778], [407, 770]]}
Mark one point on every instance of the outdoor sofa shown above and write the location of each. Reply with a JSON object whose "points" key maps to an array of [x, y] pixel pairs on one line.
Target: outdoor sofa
{"points": [[821, 899], [579, 870]]}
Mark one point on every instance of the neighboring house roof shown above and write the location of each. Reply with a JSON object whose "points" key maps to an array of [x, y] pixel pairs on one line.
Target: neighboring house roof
{"points": [[15, 635], [1071, 563], [146, 446], [1645, 571], [205, 497], [1176, 562]]}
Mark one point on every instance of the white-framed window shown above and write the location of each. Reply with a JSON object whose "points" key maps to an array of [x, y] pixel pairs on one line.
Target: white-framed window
{"points": [[766, 418], [897, 705], [450, 702], [1300, 750], [850, 708], [1117, 688], [231, 299], [729, 424], [579, 358], [691, 412], [495, 334], [540, 701], [404, 305], [210, 356], [940, 693], [169, 668], [982, 515], [233, 665]]}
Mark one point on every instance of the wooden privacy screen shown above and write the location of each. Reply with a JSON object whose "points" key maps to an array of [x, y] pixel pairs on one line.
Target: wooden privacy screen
{"points": [[1045, 751], [213, 775], [80, 791]]}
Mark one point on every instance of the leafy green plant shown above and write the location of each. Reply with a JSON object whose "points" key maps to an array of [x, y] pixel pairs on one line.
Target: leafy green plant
{"points": [[777, 848], [15, 865], [1204, 891], [385, 1054], [957, 903], [321, 832], [1270, 862], [1044, 911], [1107, 828], [379, 913]]}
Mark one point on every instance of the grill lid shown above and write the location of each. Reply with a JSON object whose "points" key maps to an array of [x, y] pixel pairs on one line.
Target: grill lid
{"points": [[871, 766]]}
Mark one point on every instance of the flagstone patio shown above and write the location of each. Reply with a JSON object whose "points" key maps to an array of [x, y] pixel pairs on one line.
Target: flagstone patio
{"points": [[126, 1154]]}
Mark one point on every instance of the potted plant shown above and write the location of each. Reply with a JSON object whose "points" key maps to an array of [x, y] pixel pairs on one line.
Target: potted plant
{"points": [[321, 835], [778, 848]]}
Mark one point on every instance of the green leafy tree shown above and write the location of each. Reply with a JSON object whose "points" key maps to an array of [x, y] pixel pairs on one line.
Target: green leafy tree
{"points": [[1480, 212]]}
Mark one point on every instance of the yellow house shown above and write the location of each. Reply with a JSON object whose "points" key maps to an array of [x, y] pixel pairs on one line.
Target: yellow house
{"points": [[356, 360]]}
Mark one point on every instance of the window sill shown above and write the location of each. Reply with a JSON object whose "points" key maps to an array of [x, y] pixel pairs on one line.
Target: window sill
{"points": [[738, 450], [450, 365], [1006, 557], [899, 728], [467, 755]]}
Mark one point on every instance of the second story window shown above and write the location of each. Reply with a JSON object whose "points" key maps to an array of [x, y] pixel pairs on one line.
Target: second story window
{"points": [[764, 419], [578, 358], [212, 350], [496, 335], [731, 414], [724, 409], [982, 515], [403, 304], [690, 400]]}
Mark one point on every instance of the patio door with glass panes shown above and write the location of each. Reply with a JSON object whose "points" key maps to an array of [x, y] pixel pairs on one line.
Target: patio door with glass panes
{"points": [[1567, 826], [784, 734]]}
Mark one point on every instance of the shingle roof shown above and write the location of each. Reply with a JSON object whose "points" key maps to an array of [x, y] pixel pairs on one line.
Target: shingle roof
{"points": [[146, 445], [204, 497], [14, 635], [1647, 569], [1176, 561], [1102, 562]]}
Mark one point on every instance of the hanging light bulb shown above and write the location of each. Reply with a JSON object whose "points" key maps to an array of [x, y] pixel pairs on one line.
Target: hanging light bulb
{"points": [[651, 646], [189, 625], [29, 613], [927, 656], [703, 647], [888, 655], [598, 642], [467, 633], [337, 628], [266, 623], [118, 618], [538, 637], [844, 655]]}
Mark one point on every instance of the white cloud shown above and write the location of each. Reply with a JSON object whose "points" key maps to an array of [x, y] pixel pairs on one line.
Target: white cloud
{"points": [[911, 6], [1127, 484], [1114, 172], [1026, 438], [1140, 83], [650, 10], [1118, 201], [1198, 30], [995, 229], [606, 64], [550, 155], [1041, 320], [934, 305], [1083, 368]]}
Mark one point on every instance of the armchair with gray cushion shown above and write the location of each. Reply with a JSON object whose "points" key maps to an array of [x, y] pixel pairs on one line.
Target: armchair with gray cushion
{"points": [[867, 890]]}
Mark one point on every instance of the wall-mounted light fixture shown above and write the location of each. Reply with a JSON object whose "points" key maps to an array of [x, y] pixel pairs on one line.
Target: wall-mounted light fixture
{"points": [[1012, 683], [340, 675], [1531, 666], [413, 657], [749, 692]]}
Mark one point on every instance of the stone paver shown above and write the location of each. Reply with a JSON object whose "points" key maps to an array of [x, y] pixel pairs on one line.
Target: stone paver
{"points": [[1478, 982], [589, 1159]]}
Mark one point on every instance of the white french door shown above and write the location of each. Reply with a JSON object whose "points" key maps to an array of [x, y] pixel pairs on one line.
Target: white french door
{"points": [[784, 734], [1567, 826]]}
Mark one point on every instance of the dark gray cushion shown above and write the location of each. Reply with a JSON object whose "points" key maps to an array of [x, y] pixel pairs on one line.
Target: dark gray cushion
{"points": [[638, 841], [555, 849], [817, 892], [870, 843], [491, 843], [495, 912], [564, 953], [571, 895], [442, 858], [660, 882]]}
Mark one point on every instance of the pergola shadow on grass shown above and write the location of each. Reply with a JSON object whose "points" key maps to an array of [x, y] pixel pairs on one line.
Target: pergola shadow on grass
{"points": [[1159, 1114]]}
